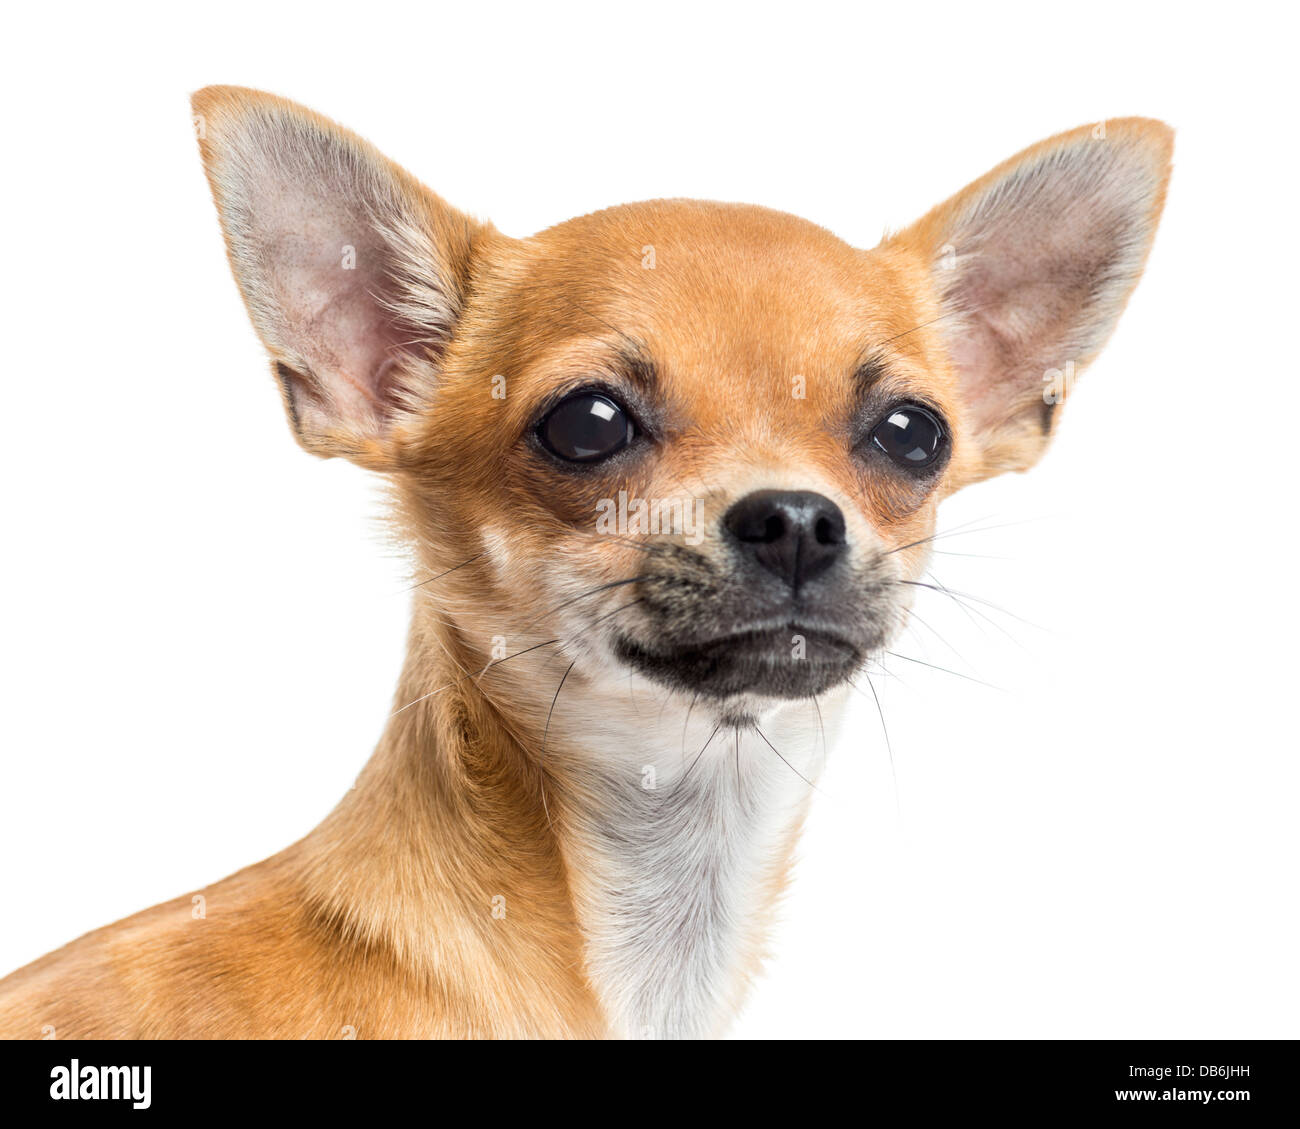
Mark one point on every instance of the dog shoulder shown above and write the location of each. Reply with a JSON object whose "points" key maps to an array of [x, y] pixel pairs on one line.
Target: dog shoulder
{"points": [[242, 959]]}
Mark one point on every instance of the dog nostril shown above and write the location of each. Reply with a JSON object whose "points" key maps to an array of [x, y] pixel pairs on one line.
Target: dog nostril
{"points": [[829, 532], [773, 529]]}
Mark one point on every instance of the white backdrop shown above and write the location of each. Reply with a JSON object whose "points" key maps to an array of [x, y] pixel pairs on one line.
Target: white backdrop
{"points": [[202, 625]]}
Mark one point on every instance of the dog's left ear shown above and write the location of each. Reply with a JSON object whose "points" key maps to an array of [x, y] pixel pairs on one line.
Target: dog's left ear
{"points": [[1031, 267]]}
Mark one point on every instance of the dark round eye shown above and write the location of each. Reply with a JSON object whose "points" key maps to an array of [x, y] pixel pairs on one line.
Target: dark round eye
{"points": [[910, 435], [586, 428]]}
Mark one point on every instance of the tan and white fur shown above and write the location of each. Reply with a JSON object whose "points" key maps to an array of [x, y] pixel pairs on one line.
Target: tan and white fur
{"points": [[581, 812]]}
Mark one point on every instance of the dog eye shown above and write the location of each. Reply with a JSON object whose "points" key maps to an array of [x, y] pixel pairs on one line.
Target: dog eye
{"points": [[910, 435], [586, 428]]}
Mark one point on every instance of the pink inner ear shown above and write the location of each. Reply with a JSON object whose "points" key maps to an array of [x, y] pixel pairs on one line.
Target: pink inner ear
{"points": [[1046, 258], [326, 270], [1018, 328]]}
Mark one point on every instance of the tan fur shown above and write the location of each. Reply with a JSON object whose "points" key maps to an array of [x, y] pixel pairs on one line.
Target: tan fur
{"points": [[380, 922]]}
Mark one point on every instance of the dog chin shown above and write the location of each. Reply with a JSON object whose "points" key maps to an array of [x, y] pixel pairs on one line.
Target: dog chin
{"points": [[790, 662]]}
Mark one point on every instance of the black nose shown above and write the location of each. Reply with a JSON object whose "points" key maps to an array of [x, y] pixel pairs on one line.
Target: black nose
{"points": [[794, 533]]}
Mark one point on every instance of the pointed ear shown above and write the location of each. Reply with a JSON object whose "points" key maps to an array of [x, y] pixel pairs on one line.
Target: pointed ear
{"points": [[353, 273], [1031, 267]]}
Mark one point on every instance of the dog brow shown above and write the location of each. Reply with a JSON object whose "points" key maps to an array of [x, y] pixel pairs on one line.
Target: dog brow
{"points": [[871, 369], [636, 365]]}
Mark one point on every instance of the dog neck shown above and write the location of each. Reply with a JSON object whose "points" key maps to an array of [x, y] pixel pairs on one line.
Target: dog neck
{"points": [[571, 855]]}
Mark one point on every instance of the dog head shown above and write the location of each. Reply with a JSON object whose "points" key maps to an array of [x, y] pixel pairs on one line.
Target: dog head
{"points": [[699, 443]]}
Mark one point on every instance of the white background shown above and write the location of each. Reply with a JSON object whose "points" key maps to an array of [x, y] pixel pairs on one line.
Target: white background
{"points": [[202, 626]]}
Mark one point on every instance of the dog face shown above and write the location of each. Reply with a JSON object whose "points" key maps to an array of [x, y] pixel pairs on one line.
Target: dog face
{"points": [[700, 444], [705, 459]]}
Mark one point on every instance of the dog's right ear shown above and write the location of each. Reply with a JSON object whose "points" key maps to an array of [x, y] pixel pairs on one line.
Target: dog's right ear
{"points": [[352, 271]]}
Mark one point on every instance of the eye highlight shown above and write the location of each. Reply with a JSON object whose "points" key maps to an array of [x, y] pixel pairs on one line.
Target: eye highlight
{"points": [[912, 436], [585, 428]]}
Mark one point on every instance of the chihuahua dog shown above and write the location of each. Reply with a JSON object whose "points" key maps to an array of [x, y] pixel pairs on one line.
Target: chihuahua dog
{"points": [[668, 474]]}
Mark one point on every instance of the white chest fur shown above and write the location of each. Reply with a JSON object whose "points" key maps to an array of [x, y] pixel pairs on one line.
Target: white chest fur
{"points": [[675, 849]]}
